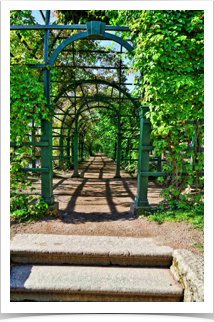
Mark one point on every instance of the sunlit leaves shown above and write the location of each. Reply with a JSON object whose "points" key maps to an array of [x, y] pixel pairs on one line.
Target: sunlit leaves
{"points": [[169, 61]]}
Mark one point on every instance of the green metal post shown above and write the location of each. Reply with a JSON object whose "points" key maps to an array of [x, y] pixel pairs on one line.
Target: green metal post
{"points": [[31, 153], [72, 148], [33, 148], [82, 149], [75, 134], [46, 129], [143, 159], [119, 138], [68, 149], [159, 164], [115, 150], [61, 159], [46, 161], [79, 148], [119, 135], [75, 173]]}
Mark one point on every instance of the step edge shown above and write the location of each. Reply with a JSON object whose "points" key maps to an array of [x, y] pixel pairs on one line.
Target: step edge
{"points": [[53, 259], [30, 253], [38, 290], [89, 297]]}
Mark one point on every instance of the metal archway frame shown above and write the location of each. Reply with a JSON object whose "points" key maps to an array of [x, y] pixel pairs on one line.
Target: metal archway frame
{"points": [[101, 99], [75, 135], [61, 158], [84, 35], [61, 146], [95, 30], [100, 82]]}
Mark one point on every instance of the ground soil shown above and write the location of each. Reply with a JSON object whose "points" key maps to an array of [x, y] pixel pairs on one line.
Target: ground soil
{"points": [[99, 205]]}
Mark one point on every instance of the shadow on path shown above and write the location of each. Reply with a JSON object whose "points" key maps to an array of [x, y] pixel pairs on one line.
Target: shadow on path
{"points": [[58, 183], [111, 204], [101, 169], [126, 186], [86, 169], [96, 196], [76, 194]]}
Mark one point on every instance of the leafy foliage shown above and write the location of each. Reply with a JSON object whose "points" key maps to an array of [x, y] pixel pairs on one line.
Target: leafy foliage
{"points": [[21, 209], [168, 72], [27, 106]]}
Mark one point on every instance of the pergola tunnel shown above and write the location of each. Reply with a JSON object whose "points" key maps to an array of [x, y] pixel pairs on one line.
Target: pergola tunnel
{"points": [[106, 156], [87, 96], [75, 126]]}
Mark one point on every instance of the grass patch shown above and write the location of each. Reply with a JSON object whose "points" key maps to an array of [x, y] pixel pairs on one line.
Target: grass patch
{"points": [[199, 245], [194, 217]]}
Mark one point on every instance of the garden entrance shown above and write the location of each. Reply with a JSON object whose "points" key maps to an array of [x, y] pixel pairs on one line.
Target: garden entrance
{"points": [[76, 98], [82, 138]]}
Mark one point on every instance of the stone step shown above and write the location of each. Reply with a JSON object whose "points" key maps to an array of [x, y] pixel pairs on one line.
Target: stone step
{"points": [[88, 250], [93, 283]]}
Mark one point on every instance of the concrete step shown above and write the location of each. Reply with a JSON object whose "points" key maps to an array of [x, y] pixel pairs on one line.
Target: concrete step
{"points": [[89, 250], [93, 283]]}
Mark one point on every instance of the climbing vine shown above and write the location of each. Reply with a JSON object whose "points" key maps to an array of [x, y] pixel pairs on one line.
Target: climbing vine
{"points": [[169, 66], [27, 106], [168, 71]]}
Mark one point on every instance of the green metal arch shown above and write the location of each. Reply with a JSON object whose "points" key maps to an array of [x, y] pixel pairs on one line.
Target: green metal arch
{"points": [[64, 117], [82, 126], [95, 100], [81, 122], [79, 112], [83, 35], [92, 81]]}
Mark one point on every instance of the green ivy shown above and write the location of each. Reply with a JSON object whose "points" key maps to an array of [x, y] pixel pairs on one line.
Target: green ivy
{"points": [[169, 71], [168, 67]]}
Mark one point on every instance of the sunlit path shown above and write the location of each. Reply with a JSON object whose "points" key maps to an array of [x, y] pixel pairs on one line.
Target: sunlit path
{"points": [[97, 191], [97, 204]]}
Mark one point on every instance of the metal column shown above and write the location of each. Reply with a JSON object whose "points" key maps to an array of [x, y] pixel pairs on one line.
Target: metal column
{"points": [[46, 129], [119, 135], [143, 159], [75, 173]]}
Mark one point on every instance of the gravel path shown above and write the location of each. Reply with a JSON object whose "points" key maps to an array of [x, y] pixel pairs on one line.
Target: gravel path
{"points": [[99, 205]]}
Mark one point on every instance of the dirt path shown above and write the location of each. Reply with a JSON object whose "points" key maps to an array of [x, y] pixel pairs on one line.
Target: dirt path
{"points": [[99, 205]]}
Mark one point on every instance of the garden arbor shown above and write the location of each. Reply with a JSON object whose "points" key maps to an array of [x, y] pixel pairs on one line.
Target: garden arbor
{"points": [[85, 105], [81, 106]]}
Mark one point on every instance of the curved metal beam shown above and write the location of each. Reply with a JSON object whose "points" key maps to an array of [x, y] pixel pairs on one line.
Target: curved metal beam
{"points": [[92, 81], [95, 100], [83, 35], [79, 111]]}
